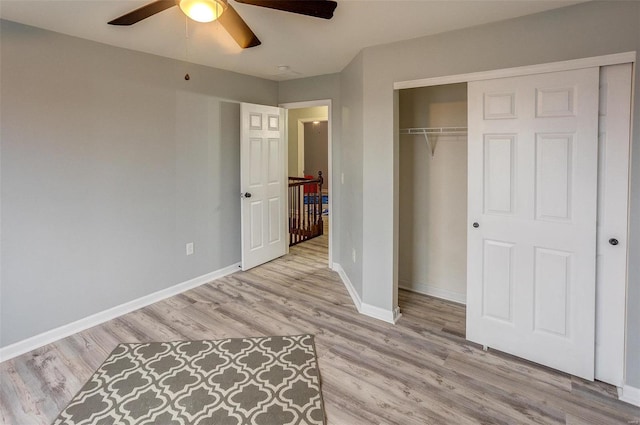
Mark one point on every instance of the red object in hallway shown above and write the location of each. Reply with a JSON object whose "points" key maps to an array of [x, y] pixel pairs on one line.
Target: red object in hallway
{"points": [[311, 187]]}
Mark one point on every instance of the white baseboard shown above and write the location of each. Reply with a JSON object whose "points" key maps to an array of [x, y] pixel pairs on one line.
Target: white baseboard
{"points": [[80, 325], [629, 395], [347, 283], [396, 314], [434, 291], [389, 316]]}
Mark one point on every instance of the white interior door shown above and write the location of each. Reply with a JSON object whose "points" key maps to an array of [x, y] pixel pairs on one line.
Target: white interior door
{"points": [[263, 183], [533, 158]]}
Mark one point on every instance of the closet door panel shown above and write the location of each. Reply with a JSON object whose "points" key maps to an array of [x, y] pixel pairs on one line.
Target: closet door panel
{"points": [[499, 173], [554, 185], [613, 196], [532, 211], [497, 281]]}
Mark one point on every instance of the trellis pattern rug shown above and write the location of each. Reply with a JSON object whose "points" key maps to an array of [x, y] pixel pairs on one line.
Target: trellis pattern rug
{"points": [[262, 381]]}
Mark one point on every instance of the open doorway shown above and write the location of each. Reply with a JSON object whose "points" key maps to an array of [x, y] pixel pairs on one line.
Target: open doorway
{"points": [[309, 171]]}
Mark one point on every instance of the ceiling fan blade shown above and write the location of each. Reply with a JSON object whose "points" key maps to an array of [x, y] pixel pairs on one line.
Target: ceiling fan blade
{"points": [[238, 28], [144, 12], [316, 8]]}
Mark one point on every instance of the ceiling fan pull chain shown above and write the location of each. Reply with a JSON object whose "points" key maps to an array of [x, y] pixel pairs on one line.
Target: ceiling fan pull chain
{"points": [[186, 44], [186, 37]]}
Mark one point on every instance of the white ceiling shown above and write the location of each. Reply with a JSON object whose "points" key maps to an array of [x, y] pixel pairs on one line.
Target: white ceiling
{"points": [[309, 46]]}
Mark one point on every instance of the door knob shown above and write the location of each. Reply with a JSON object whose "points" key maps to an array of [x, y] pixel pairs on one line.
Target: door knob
{"points": [[476, 225], [613, 241], [246, 195]]}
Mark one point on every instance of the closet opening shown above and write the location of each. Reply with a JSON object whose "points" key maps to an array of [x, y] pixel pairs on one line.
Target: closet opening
{"points": [[432, 248]]}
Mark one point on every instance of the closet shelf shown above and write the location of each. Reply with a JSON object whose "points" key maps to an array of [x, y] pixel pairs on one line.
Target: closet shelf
{"points": [[434, 131]]}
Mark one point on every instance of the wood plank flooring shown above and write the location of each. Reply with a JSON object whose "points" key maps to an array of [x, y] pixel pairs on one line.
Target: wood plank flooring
{"points": [[420, 371]]}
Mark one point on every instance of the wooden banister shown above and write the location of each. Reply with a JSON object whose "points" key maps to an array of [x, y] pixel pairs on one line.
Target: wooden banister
{"points": [[305, 208]]}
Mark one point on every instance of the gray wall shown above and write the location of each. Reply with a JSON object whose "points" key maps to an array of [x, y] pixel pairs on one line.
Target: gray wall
{"points": [[292, 132], [315, 149], [584, 30], [111, 162], [351, 83]]}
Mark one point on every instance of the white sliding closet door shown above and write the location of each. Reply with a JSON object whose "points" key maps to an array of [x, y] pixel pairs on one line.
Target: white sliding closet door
{"points": [[533, 159], [613, 196]]}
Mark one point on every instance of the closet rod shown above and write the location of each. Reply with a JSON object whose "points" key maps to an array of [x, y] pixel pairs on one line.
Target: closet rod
{"points": [[434, 130]]}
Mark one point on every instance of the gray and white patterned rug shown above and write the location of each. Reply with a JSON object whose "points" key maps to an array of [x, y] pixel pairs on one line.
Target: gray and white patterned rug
{"points": [[262, 381]]}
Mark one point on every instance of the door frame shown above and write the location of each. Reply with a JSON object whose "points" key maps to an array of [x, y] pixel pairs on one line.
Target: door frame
{"points": [[596, 61], [614, 59], [329, 177]]}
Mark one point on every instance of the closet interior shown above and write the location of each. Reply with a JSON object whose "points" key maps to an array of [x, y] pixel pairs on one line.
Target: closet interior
{"points": [[433, 191]]}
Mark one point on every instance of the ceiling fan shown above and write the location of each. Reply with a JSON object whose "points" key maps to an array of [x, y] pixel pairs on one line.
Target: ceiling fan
{"points": [[210, 10]]}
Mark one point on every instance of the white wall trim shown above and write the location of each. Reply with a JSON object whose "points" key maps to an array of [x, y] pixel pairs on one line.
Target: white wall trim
{"points": [[80, 325], [305, 104], [434, 291], [347, 283], [389, 316], [396, 314], [629, 394], [614, 59]]}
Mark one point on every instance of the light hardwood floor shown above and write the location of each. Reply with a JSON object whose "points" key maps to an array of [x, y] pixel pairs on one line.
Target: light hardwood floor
{"points": [[420, 371]]}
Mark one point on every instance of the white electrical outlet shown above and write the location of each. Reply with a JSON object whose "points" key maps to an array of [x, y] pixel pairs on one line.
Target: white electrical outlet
{"points": [[353, 254], [190, 248]]}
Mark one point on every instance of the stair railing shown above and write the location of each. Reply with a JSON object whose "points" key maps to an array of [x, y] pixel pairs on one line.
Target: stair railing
{"points": [[305, 208]]}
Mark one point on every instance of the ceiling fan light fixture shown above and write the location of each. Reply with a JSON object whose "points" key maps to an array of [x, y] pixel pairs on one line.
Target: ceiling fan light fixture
{"points": [[203, 10]]}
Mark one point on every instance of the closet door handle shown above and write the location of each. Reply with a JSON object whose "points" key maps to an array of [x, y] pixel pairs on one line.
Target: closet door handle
{"points": [[476, 225], [613, 241]]}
